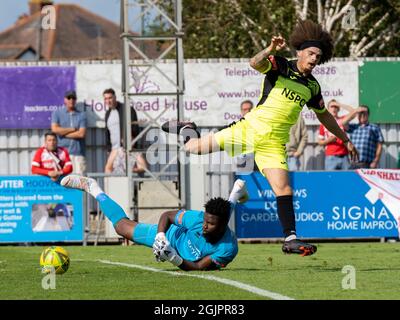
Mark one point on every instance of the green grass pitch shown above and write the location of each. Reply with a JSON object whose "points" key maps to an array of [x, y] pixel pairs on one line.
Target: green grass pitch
{"points": [[263, 266]]}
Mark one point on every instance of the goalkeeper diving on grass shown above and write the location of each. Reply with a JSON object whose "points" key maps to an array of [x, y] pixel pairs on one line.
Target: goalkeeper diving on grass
{"points": [[189, 239]]}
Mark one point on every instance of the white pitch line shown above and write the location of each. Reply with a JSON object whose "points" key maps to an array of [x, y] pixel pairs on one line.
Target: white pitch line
{"points": [[233, 283]]}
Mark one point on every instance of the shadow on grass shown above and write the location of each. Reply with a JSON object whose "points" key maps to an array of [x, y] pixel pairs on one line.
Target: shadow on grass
{"points": [[380, 269], [248, 269]]}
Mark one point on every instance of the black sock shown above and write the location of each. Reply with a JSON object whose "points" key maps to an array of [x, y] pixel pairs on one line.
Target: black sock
{"points": [[189, 133], [286, 214]]}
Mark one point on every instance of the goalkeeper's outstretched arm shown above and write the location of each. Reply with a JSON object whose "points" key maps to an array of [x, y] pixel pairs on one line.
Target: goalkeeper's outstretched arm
{"points": [[165, 221], [205, 263]]}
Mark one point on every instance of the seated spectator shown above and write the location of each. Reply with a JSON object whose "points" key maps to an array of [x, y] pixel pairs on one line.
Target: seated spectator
{"points": [[51, 160]]}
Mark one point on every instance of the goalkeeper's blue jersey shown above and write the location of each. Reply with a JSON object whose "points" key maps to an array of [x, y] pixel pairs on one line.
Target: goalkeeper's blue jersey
{"points": [[186, 236]]}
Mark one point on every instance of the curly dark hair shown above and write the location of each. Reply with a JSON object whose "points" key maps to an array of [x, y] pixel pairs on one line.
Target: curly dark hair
{"points": [[219, 207], [306, 30]]}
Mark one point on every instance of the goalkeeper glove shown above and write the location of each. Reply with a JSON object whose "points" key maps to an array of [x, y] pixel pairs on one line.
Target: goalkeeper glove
{"points": [[157, 255], [169, 254], [160, 242]]}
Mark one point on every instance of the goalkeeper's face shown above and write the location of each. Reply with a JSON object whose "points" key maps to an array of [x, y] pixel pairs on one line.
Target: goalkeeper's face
{"points": [[213, 227]]}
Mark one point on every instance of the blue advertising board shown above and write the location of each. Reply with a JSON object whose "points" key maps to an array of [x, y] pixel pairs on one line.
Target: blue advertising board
{"points": [[36, 209], [341, 204]]}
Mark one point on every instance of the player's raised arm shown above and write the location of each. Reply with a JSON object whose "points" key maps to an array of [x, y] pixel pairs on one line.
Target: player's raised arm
{"points": [[260, 61]]}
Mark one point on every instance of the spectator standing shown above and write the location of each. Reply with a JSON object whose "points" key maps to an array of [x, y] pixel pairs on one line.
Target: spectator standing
{"points": [[245, 162], [367, 138], [336, 153], [51, 160], [245, 107], [70, 126], [114, 137], [298, 138]]}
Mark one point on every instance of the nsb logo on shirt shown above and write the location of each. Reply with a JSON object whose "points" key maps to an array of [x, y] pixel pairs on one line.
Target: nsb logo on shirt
{"points": [[293, 96]]}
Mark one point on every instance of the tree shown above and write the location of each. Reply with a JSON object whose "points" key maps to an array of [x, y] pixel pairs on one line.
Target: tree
{"points": [[241, 28], [360, 28], [232, 28]]}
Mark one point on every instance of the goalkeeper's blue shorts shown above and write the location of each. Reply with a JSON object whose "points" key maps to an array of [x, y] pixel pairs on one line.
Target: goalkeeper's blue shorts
{"points": [[145, 234]]}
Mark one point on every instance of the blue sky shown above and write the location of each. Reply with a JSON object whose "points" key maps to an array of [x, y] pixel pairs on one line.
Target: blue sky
{"points": [[12, 9]]}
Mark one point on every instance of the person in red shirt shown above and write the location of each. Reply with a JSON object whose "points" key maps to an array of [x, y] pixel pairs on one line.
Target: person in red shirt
{"points": [[51, 160], [336, 153]]}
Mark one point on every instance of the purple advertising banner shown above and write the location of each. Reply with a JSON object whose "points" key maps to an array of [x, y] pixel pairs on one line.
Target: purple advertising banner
{"points": [[28, 95]]}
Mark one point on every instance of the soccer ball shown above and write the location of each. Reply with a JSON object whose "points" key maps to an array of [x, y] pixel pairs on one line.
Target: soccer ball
{"points": [[54, 258]]}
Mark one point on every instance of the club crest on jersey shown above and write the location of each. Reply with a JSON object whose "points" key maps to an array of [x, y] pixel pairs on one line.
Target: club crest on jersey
{"points": [[293, 74], [313, 86]]}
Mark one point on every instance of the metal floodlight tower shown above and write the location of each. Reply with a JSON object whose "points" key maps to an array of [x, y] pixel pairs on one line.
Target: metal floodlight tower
{"points": [[130, 47]]}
